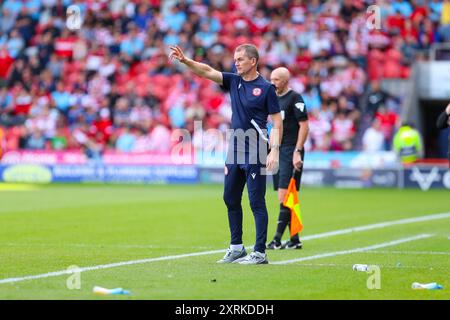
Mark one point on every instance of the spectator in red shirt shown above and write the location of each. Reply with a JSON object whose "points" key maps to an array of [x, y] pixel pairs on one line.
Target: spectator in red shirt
{"points": [[342, 132], [22, 102], [6, 62], [396, 22], [419, 12], [388, 120], [64, 44], [303, 61], [103, 126]]}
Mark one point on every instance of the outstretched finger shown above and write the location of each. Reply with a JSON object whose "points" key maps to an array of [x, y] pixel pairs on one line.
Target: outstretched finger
{"points": [[175, 49]]}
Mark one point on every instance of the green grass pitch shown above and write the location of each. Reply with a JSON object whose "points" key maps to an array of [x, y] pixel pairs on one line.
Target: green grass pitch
{"points": [[49, 228]]}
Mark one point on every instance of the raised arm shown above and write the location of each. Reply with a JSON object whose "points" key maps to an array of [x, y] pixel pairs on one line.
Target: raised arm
{"points": [[200, 69]]}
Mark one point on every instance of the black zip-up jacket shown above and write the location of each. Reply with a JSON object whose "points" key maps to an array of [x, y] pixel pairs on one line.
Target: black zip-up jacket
{"points": [[442, 123]]}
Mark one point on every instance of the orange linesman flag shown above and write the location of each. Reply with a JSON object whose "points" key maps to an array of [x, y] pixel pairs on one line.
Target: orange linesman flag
{"points": [[291, 202]]}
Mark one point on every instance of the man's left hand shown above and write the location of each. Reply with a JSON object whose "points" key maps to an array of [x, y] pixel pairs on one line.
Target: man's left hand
{"points": [[273, 160], [297, 160]]}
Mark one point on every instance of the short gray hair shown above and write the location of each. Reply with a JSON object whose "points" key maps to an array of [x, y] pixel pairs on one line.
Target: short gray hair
{"points": [[250, 51]]}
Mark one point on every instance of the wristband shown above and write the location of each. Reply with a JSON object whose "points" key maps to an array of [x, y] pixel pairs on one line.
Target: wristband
{"points": [[275, 146]]}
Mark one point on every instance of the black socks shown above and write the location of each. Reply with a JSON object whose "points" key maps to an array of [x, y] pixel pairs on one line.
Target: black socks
{"points": [[284, 218]]}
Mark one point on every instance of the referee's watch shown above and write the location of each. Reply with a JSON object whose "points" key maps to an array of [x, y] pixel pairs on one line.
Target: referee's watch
{"points": [[298, 150], [275, 146]]}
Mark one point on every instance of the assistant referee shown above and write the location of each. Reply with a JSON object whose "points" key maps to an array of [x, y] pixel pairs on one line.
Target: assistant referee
{"points": [[295, 132]]}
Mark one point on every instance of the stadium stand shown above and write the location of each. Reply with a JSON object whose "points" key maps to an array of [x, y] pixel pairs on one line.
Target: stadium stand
{"points": [[110, 84]]}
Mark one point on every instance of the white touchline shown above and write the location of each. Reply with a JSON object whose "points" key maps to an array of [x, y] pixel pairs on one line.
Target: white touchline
{"points": [[107, 266], [316, 236], [337, 253], [410, 252], [378, 225]]}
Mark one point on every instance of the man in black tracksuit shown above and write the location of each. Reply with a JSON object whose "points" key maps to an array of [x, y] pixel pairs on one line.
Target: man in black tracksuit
{"points": [[443, 122], [295, 132]]}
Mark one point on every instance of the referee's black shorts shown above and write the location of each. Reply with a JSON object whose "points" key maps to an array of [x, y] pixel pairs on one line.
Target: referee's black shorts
{"points": [[282, 178]]}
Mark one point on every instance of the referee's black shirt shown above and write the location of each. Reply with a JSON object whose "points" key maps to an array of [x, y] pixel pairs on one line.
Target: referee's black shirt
{"points": [[293, 110]]}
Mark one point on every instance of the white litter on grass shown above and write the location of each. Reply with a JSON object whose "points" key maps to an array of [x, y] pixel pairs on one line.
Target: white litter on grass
{"points": [[427, 286], [104, 292], [360, 267]]}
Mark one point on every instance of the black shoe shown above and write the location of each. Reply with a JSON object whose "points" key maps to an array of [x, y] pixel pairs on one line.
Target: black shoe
{"points": [[274, 245], [292, 245]]}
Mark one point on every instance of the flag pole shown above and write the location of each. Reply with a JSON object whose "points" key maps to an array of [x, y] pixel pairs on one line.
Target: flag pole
{"points": [[293, 172]]}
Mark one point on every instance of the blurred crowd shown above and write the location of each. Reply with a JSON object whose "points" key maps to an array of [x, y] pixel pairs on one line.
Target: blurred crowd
{"points": [[110, 84]]}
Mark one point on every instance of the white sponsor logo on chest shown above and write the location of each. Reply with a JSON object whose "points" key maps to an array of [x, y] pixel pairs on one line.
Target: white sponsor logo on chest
{"points": [[257, 92]]}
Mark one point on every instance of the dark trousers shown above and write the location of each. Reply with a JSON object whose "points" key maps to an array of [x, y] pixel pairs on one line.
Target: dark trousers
{"points": [[236, 176]]}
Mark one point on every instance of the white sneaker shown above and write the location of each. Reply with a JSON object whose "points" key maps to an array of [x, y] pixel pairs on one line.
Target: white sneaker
{"points": [[233, 255], [254, 258]]}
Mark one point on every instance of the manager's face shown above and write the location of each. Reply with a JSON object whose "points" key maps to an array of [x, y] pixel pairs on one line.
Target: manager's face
{"points": [[243, 63]]}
